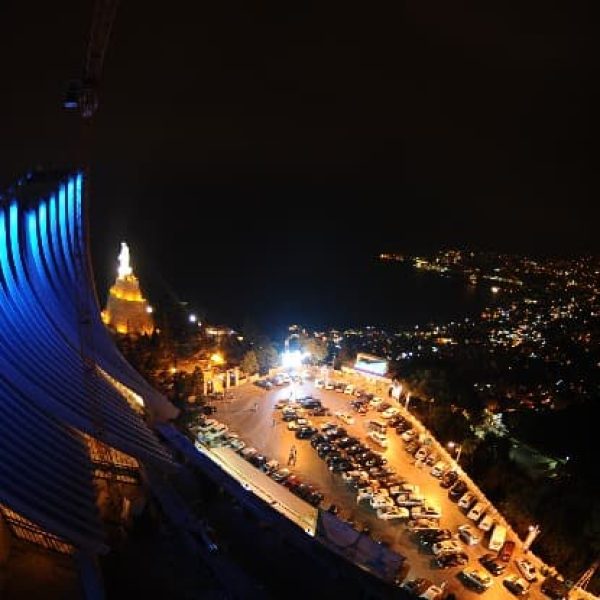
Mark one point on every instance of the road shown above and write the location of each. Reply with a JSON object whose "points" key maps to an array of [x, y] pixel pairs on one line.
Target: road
{"points": [[264, 429]]}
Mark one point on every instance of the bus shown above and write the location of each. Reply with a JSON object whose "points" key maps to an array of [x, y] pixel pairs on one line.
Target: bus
{"points": [[498, 538]]}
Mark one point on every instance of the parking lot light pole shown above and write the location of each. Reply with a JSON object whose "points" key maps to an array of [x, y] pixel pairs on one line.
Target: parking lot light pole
{"points": [[532, 533], [452, 446]]}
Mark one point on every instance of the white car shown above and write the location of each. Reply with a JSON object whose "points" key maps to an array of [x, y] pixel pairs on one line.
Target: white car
{"points": [[421, 453], [349, 389], [345, 417], [293, 425], [466, 500], [378, 438], [475, 513], [216, 432], [390, 412], [329, 385], [365, 493], [433, 592], [208, 424], [319, 383], [409, 500], [425, 512], [389, 514], [527, 569], [439, 469], [467, 534], [381, 501], [486, 523], [409, 436], [375, 402], [447, 547]]}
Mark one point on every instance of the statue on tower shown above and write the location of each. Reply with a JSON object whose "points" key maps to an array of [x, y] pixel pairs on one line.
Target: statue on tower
{"points": [[127, 311], [124, 262]]}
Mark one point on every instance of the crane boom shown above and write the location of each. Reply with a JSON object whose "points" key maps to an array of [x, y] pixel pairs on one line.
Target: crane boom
{"points": [[82, 95]]}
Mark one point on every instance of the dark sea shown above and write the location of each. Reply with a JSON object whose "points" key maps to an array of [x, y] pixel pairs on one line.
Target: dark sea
{"points": [[366, 292]]}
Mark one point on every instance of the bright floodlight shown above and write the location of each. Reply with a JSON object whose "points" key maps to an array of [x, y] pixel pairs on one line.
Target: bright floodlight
{"points": [[149, 310], [293, 359], [193, 318]]}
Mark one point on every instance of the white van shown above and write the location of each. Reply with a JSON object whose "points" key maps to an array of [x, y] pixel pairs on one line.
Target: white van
{"points": [[349, 389], [475, 513], [498, 538]]}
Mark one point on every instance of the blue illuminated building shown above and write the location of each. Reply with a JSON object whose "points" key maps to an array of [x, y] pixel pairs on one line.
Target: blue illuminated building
{"points": [[67, 396]]}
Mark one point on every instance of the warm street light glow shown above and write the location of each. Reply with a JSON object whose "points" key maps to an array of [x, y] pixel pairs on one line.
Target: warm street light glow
{"points": [[217, 358], [495, 289], [149, 310]]}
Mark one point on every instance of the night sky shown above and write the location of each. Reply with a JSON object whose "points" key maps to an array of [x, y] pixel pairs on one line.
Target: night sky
{"points": [[267, 143]]}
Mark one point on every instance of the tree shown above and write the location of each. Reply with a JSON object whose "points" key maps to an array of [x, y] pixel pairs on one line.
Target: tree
{"points": [[249, 362], [316, 348]]}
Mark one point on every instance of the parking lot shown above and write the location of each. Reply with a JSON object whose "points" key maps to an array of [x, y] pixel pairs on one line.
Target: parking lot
{"points": [[252, 413]]}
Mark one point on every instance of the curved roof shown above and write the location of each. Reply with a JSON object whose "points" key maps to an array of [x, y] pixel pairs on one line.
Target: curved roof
{"points": [[51, 340]]}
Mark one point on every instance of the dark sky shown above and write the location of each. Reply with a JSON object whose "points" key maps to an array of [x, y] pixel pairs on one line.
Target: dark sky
{"points": [[240, 140]]}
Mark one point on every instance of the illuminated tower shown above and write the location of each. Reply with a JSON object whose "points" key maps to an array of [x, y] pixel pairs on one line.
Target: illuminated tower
{"points": [[127, 311]]}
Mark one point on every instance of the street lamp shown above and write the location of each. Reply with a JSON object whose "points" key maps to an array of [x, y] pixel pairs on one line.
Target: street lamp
{"points": [[458, 447], [532, 533]]}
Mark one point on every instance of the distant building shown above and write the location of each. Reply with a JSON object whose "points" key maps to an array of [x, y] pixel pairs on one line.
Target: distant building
{"points": [[127, 311]]}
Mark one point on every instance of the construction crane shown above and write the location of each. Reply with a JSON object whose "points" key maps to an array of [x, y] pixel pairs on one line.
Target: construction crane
{"points": [[82, 97], [82, 94]]}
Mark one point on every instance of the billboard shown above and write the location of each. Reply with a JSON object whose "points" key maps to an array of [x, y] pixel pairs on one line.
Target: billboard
{"points": [[370, 364]]}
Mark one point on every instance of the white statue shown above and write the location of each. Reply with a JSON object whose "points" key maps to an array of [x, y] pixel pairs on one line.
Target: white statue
{"points": [[124, 266]]}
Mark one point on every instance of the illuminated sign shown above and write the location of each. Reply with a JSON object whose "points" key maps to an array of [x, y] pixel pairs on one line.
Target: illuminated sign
{"points": [[374, 365]]}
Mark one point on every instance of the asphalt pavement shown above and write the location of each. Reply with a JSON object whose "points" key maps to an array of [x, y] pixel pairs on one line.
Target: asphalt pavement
{"points": [[253, 416]]}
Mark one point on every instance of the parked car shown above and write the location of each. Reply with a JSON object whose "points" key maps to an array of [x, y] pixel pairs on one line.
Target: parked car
{"points": [[439, 469], [476, 511], [305, 432], [378, 438], [448, 561], [433, 536], [477, 578], [390, 412], [345, 417], [280, 475], [409, 435], [449, 479], [421, 453], [506, 551], [527, 569], [492, 564], [457, 490], [466, 501], [467, 534], [486, 523], [516, 585], [447, 547], [417, 586], [393, 513], [427, 512]]}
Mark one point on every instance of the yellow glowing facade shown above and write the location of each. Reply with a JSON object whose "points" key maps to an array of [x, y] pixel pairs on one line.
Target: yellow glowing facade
{"points": [[127, 311]]}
